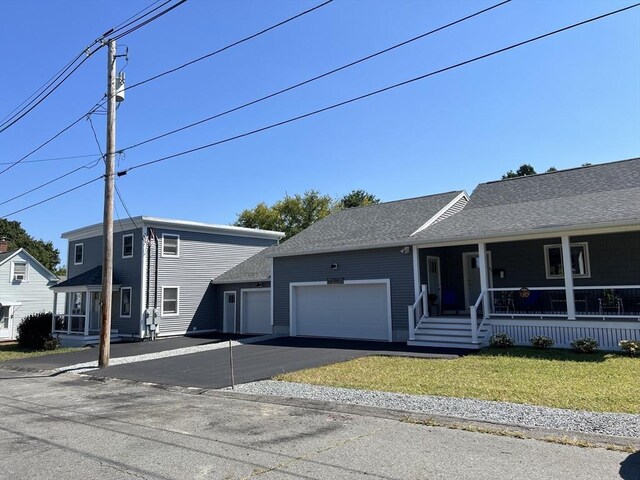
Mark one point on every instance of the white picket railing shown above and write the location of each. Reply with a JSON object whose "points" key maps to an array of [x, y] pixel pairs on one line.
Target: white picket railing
{"points": [[417, 311], [475, 328]]}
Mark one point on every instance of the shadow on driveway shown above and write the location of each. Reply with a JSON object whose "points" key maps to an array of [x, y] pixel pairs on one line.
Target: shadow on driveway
{"points": [[630, 467]]}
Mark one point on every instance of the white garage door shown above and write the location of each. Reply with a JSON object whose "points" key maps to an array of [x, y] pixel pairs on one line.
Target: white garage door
{"points": [[256, 311], [358, 311]]}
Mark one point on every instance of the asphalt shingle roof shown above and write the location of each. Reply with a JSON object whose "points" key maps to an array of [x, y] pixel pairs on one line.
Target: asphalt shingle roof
{"points": [[90, 277], [587, 196], [366, 227], [255, 268], [4, 256]]}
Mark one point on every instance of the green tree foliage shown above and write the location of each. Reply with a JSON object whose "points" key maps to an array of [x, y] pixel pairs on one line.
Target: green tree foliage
{"points": [[290, 215], [524, 170], [17, 237], [357, 198]]}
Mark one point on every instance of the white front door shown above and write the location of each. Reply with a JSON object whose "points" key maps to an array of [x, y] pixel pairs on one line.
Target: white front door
{"points": [[229, 313], [95, 312], [6, 323], [471, 274], [433, 283]]}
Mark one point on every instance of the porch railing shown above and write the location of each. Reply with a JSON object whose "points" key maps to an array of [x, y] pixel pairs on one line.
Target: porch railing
{"points": [[606, 302], [419, 309], [475, 328]]}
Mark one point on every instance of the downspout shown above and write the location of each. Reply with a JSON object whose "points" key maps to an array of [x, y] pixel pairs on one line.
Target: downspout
{"points": [[146, 306], [155, 286]]}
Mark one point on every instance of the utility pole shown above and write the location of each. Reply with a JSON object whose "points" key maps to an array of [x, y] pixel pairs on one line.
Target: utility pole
{"points": [[107, 222]]}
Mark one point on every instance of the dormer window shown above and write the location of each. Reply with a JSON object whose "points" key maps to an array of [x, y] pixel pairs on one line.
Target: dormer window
{"points": [[78, 254], [19, 273]]}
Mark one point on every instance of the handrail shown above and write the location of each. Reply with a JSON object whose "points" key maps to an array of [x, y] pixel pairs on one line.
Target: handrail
{"points": [[473, 309], [412, 309], [581, 287]]}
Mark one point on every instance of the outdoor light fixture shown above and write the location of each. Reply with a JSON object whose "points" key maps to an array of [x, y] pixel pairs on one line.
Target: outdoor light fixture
{"points": [[334, 266], [405, 250]]}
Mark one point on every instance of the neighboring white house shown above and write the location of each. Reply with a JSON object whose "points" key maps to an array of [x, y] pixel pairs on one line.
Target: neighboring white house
{"points": [[24, 289]]}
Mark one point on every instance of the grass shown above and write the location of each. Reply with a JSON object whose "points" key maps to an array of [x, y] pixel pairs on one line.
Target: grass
{"points": [[600, 382], [12, 351]]}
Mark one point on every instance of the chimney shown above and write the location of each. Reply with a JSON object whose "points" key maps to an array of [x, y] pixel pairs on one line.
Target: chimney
{"points": [[3, 245]]}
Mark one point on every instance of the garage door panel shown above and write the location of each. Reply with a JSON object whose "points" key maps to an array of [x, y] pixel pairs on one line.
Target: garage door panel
{"points": [[346, 311], [256, 312]]}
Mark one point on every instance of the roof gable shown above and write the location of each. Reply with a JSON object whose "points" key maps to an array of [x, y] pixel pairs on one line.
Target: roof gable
{"points": [[5, 257]]}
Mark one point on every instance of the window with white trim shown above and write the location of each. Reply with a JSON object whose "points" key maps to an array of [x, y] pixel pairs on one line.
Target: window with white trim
{"points": [[125, 302], [579, 260], [170, 245], [78, 254], [127, 246], [19, 272], [170, 297]]}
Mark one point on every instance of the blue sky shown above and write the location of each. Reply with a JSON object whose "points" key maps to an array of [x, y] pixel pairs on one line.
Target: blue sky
{"points": [[563, 101]]}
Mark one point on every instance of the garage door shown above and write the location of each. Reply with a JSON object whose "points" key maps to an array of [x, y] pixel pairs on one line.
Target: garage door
{"points": [[256, 311], [358, 311]]}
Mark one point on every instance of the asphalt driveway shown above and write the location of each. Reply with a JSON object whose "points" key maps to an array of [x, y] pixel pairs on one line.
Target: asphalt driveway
{"points": [[253, 362]]}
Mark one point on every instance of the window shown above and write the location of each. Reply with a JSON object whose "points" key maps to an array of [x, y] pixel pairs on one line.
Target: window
{"points": [[579, 260], [170, 301], [170, 245], [19, 273], [4, 317], [127, 246], [125, 302], [78, 254]]}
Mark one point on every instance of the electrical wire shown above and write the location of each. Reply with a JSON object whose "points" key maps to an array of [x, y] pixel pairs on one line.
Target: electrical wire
{"points": [[149, 20], [231, 45], [313, 79], [124, 204], [54, 159], [379, 91]]}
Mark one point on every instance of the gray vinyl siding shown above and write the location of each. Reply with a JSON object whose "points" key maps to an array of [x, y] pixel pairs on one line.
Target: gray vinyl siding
{"points": [[126, 271], [201, 257], [614, 260], [386, 263], [34, 294], [219, 300]]}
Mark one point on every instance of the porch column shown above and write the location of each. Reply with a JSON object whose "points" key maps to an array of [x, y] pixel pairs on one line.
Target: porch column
{"points": [[416, 272], [55, 304], [568, 277], [87, 309], [484, 278]]}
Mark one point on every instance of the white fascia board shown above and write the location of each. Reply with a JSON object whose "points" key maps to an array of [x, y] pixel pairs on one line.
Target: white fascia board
{"points": [[95, 230], [551, 232], [442, 211], [11, 256], [351, 248], [228, 282]]}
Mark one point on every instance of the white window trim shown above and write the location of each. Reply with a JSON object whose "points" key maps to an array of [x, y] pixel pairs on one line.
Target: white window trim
{"points": [[13, 273], [587, 260], [122, 303], [132, 247], [177, 313], [75, 252], [177, 246]]}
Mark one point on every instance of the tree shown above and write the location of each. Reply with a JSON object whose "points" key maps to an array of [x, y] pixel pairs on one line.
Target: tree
{"points": [[524, 170], [551, 169], [17, 237], [290, 215], [357, 198]]}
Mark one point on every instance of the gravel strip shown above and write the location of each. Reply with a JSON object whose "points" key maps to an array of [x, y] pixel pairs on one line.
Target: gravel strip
{"points": [[88, 366], [616, 424]]}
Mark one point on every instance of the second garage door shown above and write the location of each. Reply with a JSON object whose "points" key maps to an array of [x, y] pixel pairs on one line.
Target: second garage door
{"points": [[358, 310], [256, 311]]}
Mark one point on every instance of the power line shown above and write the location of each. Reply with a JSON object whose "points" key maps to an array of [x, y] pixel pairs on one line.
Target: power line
{"points": [[376, 92], [124, 204], [54, 159], [313, 79], [231, 45], [149, 20], [336, 105]]}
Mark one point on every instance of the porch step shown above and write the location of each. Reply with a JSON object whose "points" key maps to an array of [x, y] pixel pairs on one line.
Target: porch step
{"points": [[448, 332], [442, 344]]}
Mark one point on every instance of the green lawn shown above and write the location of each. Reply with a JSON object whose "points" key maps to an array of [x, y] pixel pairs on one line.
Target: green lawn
{"points": [[11, 351], [601, 382]]}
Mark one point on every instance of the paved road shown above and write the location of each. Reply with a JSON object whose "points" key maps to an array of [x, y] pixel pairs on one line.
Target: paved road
{"points": [[73, 428], [252, 362]]}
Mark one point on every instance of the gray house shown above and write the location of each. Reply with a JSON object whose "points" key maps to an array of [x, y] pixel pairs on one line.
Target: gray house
{"points": [[24, 289], [161, 277], [555, 254]]}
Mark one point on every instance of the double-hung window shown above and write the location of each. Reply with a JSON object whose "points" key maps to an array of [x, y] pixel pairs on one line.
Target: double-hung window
{"points": [[170, 296], [78, 254], [170, 245], [579, 260], [125, 302], [19, 273], [127, 246]]}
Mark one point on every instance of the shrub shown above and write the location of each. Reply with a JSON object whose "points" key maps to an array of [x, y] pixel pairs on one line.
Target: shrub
{"points": [[540, 341], [51, 343], [35, 330], [501, 340], [632, 347], [585, 345]]}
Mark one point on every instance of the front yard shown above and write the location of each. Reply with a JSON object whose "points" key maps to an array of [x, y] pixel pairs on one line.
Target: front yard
{"points": [[600, 382], [12, 351]]}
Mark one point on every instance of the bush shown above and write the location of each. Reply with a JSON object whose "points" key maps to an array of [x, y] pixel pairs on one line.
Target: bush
{"points": [[501, 340], [632, 347], [540, 341], [51, 343], [585, 345], [35, 330]]}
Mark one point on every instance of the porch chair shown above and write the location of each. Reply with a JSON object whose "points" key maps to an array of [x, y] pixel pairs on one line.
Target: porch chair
{"points": [[503, 302], [610, 302]]}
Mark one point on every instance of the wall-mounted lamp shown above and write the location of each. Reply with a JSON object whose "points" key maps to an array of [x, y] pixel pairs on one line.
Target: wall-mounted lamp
{"points": [[334, 266], [405, 250], [259, 284]]}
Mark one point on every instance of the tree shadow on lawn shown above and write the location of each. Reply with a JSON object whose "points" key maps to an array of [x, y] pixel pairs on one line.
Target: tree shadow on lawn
{"points": [[630, 467], [550, 354]]}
